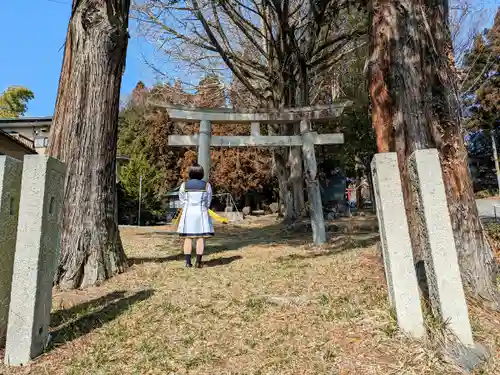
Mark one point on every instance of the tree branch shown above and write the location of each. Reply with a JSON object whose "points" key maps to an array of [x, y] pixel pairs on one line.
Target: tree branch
{"points": [[241, 76]]}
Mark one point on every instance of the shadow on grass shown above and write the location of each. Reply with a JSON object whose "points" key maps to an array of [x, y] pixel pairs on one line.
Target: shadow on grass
{"points": [[258, 236], [170, 258], [237, 237], [158, 233], [231, 239], [221, 261], [82, 319], [180, 257], [351, 243], [61, 316]]}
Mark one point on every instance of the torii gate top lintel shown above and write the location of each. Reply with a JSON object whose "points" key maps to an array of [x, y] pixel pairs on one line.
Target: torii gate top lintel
{"points": [[262, 116]]}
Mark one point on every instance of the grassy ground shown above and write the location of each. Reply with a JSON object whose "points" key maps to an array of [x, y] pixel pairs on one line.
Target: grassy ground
{"points": [[492, 228], [266, 303]]}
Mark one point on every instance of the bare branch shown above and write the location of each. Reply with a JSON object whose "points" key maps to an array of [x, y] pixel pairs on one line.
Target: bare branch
{"points": [[269, 46], [237, 72]]}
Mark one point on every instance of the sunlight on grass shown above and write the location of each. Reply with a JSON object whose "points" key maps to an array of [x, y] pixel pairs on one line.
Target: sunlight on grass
{"points": [[266, 303]]}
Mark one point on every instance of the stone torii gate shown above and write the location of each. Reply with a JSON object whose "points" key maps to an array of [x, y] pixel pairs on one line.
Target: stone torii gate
{"points": [[307, 140]]}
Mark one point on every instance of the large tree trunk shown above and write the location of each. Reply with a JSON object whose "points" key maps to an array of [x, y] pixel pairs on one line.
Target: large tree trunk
{"points": [[297, 180], [285, 191], [475, 257], [414, 106], [295, 163], [288, 164], [281, 171], [294, 154], [379, 65], [395, 91], [84, 136], [297, 157]]}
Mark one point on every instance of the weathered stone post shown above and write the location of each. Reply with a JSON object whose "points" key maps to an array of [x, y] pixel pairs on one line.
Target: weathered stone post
{"points": [[10, 191], [440, 255], [204, 138], [37, 251], [313, 191], [400, 272]]}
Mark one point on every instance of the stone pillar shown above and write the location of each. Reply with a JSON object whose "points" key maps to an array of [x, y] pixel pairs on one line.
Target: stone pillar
{"points": [[440, 255], [37, 251], [10, 190], [312, 182], [400, 272], [204, 138]]}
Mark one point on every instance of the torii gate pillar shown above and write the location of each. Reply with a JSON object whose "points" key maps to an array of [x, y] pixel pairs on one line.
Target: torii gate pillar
{"points": [[204, 147]]}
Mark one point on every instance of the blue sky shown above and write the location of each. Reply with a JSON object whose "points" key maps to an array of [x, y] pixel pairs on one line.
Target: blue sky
{"points": [[33, 34]]}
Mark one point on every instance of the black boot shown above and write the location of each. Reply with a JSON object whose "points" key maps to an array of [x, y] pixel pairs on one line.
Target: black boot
{"points": [[188, 260], [198, 261]]}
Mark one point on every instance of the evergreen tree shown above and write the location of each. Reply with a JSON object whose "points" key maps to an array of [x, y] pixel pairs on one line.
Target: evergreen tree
{"points": [[482, 86], [14, 101], [482, 82], [142, 136]]}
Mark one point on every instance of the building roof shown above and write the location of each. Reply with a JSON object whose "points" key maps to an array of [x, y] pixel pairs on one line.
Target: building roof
{"points": [[22, 144], [25, 122]]}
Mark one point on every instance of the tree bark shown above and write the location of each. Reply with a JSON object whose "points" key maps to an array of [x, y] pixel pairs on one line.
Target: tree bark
{"points": [[379, 65], [285, 191], [295, 161], [297, 180], [493, 135], [415, 106], [281, 171], [476, 261], [396, 93], [289, 171], [84, 136], [298, 158]]}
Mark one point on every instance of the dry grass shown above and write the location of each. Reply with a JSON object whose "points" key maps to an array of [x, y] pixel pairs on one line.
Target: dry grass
{"points": [[492, 229], [267, 303]]}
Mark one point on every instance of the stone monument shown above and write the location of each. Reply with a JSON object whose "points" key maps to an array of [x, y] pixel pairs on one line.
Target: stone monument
{"points": [[36, 256], [446, 291], [396, 245]]}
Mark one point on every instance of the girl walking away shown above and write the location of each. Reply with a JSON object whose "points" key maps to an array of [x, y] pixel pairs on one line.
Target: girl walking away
{"points": [[195, 222]]}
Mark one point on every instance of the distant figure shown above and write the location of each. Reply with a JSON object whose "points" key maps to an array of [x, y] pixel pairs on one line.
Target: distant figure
{"points": [[195, 196]]}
